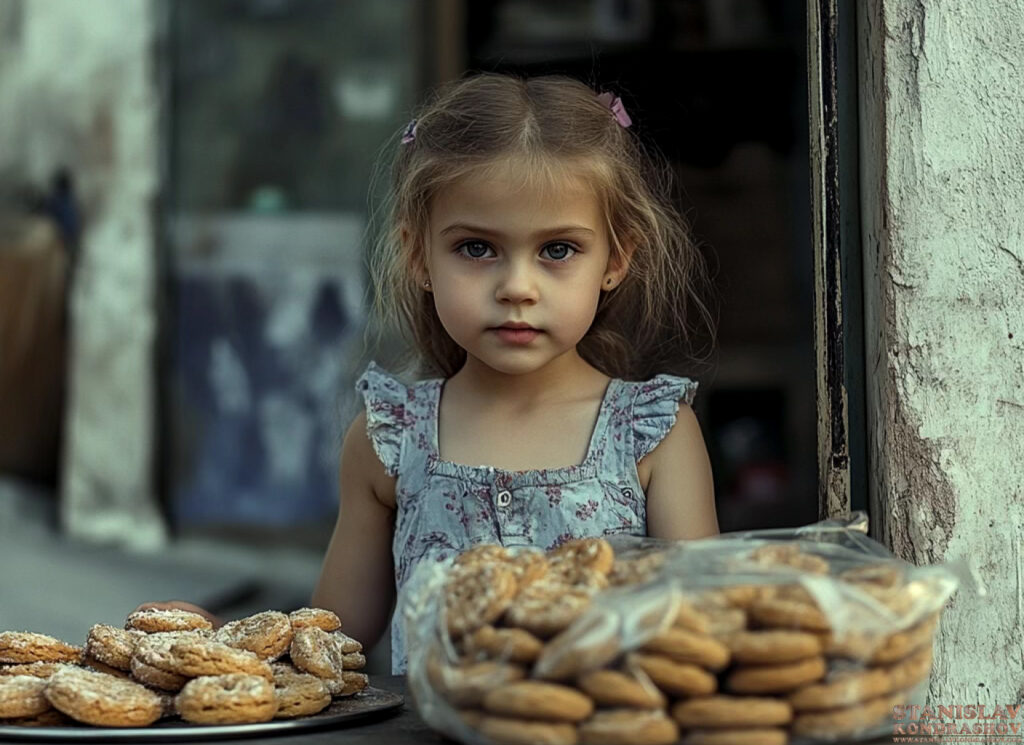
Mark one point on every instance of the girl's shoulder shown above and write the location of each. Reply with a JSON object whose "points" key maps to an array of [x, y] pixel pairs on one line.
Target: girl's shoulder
{"points": [[652, 406], [390, 404]]}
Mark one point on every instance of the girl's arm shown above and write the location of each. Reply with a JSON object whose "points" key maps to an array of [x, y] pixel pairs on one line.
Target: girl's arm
{"points": [[357, 579], [680, 492]]}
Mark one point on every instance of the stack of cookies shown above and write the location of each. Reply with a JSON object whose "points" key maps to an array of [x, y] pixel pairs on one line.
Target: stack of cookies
{"points": [[167, 663], [580, 646]]}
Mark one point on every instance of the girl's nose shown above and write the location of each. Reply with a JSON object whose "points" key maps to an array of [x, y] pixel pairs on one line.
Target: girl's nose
{"points": [[516, 284]]}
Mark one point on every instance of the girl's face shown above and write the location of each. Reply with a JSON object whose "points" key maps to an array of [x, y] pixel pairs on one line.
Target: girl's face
{"points": [[517, 270]]}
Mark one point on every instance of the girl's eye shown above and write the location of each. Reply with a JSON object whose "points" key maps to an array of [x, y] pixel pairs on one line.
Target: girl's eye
{"points": [[560, 251], [474, 249]]}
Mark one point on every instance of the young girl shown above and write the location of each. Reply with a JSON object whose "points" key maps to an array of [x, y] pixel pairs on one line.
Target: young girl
{"points": [[536, 265]]}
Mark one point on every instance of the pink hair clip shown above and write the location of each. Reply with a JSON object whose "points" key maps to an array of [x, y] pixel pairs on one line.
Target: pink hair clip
{"points": [[410, 133], [614, 104]]}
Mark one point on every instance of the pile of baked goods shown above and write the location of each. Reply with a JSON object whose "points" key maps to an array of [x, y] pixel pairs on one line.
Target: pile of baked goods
{"points": [[724, 641], [172, 663]]}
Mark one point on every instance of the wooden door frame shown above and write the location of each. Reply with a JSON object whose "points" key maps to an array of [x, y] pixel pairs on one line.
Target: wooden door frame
{"points": [[838, 287]]}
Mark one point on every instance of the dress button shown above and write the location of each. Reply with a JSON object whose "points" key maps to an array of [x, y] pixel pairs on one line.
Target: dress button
{"points": [[504, 498]]}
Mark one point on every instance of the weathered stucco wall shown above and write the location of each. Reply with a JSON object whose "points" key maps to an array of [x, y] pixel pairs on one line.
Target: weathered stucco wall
{"points": [[942, 193], [78, 89]]}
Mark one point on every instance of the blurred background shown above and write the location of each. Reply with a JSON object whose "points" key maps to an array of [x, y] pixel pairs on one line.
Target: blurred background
{"points": [[184, 212]]}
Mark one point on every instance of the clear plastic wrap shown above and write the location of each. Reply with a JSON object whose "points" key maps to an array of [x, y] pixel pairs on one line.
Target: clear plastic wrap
{"points": [[811, 634]]}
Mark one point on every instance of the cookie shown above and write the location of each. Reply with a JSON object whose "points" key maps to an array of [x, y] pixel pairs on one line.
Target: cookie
{"points": [[628, 727], [112, 646], [35, 669], [465, 685], [841, 689], [353, 660], [102, 700], [21, 647], [233, 698], [778, 678], [750, 736], [476, 594], [546, 608], [349, 684], [267, 635], [636, 570], [531, 699], [595, 554], [590, 643], [195, 657], [790, 556], [613, 688], [908, 672], [49, 718], [22, 696], [316, 651], [904, 643], [674, 678], [505, 731], [92, 664], [511, 645], [731, 712], [528, 566], [690, 618], [768, 647], [299, 694], [151, 620], [686, 646], [319, 617], [786, 613], [844, 722]]}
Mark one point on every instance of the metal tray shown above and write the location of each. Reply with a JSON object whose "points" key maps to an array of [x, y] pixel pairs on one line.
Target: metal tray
{"points": [[370, 703]]}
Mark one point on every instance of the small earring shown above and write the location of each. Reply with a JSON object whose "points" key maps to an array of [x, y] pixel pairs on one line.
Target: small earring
{"points": [[609, 281], [426, 284]]}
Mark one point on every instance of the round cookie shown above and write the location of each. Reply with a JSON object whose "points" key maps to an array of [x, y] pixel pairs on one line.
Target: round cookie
{"points": [[195, 657], [316, 651], [152, 620], [780, 678], [629, 727], [234, 698], [690, 618], [529, 566], [910, 671], [21, 647], [465, 685], [636, 570], [789, 555], [716, 712], [22, 696], [103, 700], [591, 553], [771, 646], [674, 678], [546, 608], [349, 684], [299, 694], [49, 718], [531, 699], [848, 721], [613, 688], [155, 677], [112, 646], [588, 644], [784, 613], [319, 617], [476, 594], [511, 645], [35, 669], [267, 635], [505, 731], [841, 689], [751, 736], [686, 646], [904, 643]]}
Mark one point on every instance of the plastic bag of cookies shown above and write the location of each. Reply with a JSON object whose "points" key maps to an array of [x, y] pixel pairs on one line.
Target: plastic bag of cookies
{"points": [[794, 636]]}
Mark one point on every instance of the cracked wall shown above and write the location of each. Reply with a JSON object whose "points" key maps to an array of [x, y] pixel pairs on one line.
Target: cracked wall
{"points": [[942, 195]]}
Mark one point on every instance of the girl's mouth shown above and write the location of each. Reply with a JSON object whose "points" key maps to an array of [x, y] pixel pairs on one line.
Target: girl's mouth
{"points": [[516, 334]]}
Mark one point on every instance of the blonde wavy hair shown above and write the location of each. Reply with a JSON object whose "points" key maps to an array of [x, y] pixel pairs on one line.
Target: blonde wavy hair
{"points": [[553, 125]]}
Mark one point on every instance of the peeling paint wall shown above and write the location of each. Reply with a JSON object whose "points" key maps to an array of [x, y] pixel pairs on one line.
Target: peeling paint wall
{"points": [[78, 89], [942, 194]]}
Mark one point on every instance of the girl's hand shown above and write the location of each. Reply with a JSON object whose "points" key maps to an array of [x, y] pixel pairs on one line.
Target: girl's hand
{"points": [[182, 605]]}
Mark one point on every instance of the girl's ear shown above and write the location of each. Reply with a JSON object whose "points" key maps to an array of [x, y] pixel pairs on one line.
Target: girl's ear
{"points": [[618, 265]]}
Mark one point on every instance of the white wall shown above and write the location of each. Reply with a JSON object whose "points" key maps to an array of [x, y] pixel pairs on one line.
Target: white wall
{"points": [[942, 193], [78, 89]]}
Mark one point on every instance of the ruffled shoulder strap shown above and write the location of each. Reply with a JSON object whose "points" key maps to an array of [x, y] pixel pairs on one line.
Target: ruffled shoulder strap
{"points": [[386, 399], [655, 405]]}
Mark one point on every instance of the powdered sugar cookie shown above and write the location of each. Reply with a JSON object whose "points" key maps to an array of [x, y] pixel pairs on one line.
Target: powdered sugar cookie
{"points": [[299, 694], [102, 700], [319, 617], [20, 647], [323, 654], [195, 657], [234, 698], [267, 635], [112, 646], [22, 696], [153, 620], [477, 594]]}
